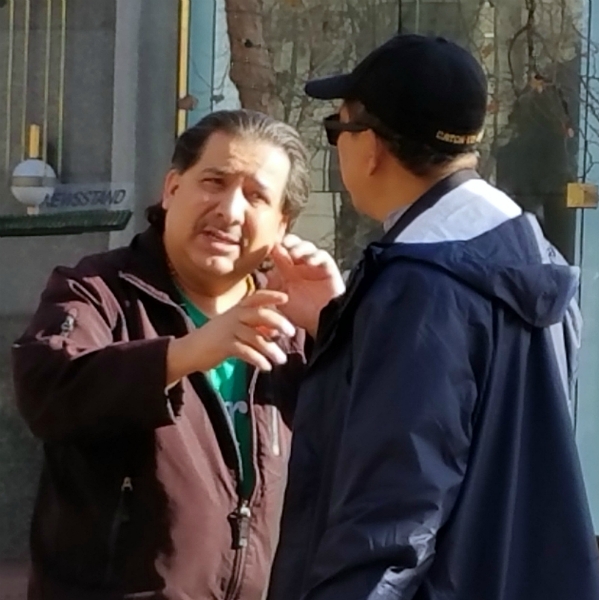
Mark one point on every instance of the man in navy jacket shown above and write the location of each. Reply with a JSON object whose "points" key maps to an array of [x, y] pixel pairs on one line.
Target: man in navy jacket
{"points": [[433, 455]]}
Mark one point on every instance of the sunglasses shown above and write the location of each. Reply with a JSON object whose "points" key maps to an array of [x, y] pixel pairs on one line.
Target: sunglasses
{"points": [[334, 127]]}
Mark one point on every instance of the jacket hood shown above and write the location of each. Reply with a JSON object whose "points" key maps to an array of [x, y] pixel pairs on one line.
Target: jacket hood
{"points": [[504, 263], [480, 236]]}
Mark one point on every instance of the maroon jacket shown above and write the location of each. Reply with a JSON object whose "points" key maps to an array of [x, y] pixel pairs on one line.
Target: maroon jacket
{"points": [[139, 492]]}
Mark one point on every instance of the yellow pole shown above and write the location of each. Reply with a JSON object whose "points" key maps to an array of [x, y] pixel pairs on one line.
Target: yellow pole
{"points": [[61, 84], [183, 74], [26, 29], [47, 78], [9, 75], [34, 141]]}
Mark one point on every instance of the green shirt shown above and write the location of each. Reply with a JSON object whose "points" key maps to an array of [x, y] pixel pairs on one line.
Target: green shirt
{"points": [[229, 381]]}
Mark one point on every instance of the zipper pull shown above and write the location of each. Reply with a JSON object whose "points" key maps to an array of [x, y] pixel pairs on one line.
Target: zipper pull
{"points": [[68, 325], [123, 506], [240, 522]]}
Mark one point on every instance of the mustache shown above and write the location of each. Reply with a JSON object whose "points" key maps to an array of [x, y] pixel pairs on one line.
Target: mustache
{"points": [[234, 234]]}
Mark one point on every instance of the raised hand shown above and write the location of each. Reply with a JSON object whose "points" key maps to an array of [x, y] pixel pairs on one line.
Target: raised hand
{"points": [[247, 331], [309, 277]]}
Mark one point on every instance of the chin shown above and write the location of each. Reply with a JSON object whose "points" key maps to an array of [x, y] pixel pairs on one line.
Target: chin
{"points": [[361, 205], [217, 265], [365, 204]]}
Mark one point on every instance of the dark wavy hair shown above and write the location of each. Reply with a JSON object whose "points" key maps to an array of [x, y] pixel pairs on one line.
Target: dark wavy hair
{"points": [[247, 124]]}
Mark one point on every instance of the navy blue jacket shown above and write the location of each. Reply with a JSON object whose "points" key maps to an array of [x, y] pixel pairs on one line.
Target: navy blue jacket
{"points": [[433, 454]]}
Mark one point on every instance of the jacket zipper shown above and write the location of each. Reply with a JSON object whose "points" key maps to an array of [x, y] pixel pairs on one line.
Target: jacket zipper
{"points": [[121, 516], [240, 522], [68, 325], [240, 518]]}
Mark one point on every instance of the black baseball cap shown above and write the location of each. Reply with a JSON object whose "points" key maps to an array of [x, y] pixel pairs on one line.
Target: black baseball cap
{"points": [[427, 89]]}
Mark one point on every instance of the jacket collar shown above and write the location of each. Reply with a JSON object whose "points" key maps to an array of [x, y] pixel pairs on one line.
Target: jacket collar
{"points": [[149, 263]]}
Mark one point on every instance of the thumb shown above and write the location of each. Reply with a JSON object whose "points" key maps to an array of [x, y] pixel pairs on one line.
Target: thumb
{"points": [[282, 259]]}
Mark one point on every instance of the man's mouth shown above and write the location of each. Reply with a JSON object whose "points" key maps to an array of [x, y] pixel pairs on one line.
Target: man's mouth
{"points": [[221, 237]]}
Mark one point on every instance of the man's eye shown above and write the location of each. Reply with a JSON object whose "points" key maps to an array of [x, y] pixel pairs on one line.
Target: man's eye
{"points": [[214, 181], [258, 197]]}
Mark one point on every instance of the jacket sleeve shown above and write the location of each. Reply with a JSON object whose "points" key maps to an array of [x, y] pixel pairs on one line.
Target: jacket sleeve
{"points": [[405, 439], [74, 379]]}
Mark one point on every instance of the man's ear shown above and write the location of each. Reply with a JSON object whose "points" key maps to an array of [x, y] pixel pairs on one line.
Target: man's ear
{"points": [[375, 152], [283, 229], [268, 263], [171, 184]]}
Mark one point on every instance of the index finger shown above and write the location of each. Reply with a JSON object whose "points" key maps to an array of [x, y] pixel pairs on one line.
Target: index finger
{"points": [[265, 298]]}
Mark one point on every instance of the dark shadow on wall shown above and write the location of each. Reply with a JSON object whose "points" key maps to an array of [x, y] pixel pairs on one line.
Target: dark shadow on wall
{"points": [[20, 463], [20, 456]]}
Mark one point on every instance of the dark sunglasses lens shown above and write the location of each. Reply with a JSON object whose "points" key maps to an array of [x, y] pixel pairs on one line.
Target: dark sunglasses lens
{"points": [[332, 136], [331, 126]]}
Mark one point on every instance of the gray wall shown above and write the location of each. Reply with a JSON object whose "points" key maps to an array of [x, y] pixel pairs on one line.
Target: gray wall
{"points": [[87, 143], [119, 126], [22, 278], [145, 115]]}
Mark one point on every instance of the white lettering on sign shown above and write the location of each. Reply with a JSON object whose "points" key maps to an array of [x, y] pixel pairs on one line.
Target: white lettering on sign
{"points": [[70, 197]]}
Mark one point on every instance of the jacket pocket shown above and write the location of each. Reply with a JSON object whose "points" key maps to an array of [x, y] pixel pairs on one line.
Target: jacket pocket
{"points": [[120, 517]]}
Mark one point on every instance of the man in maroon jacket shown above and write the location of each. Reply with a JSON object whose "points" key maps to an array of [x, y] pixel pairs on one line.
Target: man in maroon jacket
{"points": [[162, 380]]}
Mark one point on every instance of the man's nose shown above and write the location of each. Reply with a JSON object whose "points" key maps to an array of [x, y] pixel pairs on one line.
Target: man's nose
{"points": [[232, 206]]}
